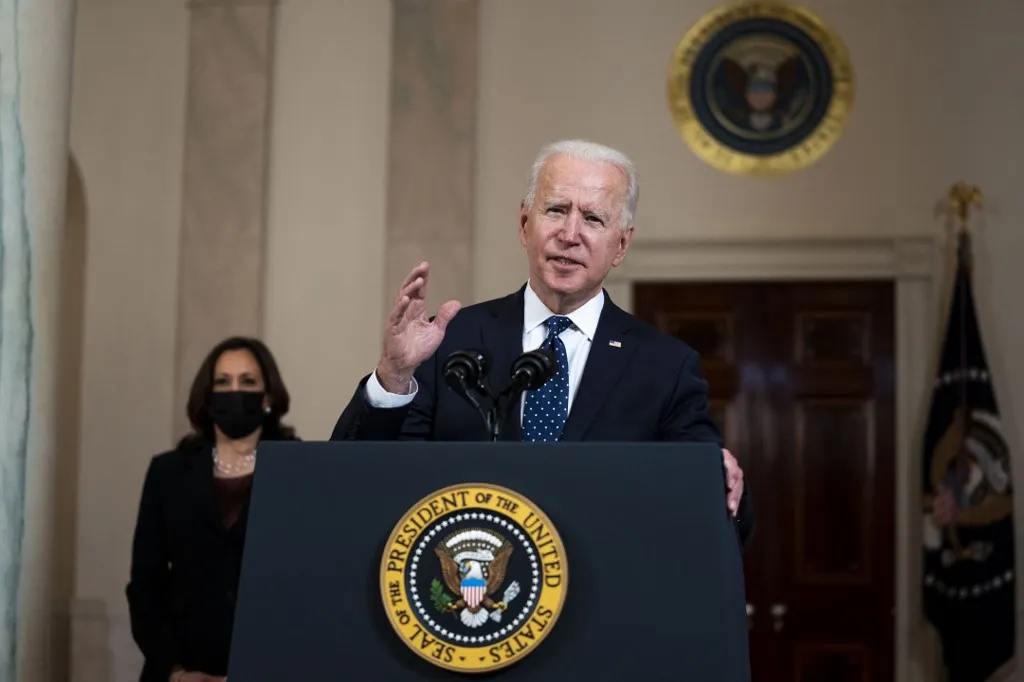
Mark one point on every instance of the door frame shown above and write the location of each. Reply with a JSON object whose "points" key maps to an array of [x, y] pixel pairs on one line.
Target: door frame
{"points": [[914, 265]]}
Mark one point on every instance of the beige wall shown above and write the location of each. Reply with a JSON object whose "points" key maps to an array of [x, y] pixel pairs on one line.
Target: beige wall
{"points": [[325, 232], [126, 135], [922, 118]]}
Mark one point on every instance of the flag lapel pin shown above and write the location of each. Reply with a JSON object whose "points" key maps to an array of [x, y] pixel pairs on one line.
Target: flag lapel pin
{"points": [[615, 344]]}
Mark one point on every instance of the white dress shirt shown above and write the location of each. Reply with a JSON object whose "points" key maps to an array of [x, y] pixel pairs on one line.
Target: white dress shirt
{"points": [[577, 339]]}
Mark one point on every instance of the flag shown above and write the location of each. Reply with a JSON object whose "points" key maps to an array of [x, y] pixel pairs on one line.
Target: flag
{"points": [[969, 578]]}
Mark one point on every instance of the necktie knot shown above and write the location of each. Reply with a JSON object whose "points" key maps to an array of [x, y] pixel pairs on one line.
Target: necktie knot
{"points": [[557, 324]]}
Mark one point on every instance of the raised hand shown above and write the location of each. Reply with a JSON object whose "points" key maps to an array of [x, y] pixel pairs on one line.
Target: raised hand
{"points": [[410, 337]]}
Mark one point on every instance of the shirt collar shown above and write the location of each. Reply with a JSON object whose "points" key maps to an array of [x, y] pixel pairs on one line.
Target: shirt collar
{"points": [[585, 318]]}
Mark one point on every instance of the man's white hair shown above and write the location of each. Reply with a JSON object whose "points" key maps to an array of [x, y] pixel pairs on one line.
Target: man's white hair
{"points": [[586, 150]]}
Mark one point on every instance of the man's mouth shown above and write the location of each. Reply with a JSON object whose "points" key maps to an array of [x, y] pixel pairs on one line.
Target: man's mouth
{"points": [[564, 261]]}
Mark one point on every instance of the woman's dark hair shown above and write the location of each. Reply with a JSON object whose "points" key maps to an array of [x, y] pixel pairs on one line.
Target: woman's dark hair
{"points": [[202, 387]]}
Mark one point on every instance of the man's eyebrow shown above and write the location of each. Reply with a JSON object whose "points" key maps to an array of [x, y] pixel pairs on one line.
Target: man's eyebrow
{"points": [[598, 212]]}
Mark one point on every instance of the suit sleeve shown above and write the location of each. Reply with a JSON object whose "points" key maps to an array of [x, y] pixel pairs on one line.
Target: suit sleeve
{"points": [[149, 581], [688, 419], [415, 421]]}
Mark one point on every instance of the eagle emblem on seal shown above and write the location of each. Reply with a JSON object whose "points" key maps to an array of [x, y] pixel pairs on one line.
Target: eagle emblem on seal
{"points": [[474, 562]]}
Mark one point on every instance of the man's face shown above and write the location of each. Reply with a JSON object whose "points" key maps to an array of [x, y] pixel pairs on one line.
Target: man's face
{"points": [[572, 233]]}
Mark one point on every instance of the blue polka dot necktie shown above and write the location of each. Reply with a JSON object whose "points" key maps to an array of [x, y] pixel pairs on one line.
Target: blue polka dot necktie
{"points": [[547, 408]]}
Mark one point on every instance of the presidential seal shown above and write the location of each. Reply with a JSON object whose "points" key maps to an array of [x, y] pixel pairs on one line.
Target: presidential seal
{"points": [[760, 87], [473, 577]]}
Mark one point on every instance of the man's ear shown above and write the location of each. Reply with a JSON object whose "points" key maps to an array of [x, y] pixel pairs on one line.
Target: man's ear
{"points": [[524, 217]]}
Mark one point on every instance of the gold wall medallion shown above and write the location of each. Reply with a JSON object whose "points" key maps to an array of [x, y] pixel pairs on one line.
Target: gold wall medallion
{"points": [[473, 577], [760, 87]]}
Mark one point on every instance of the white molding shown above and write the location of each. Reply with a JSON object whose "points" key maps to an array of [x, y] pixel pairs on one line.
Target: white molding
{"points": [[910, 257], [913, 263]]}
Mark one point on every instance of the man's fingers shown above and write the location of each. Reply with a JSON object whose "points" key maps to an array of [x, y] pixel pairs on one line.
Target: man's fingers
{"points": [[398, 312], [733, 498], [415, 282], [735, 478], [415, 289], [733, 481], [417, 272], [446, 313]]}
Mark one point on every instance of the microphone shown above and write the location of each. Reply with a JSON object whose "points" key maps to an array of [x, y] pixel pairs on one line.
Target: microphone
{"points": [[465, 368], [530, 370]]}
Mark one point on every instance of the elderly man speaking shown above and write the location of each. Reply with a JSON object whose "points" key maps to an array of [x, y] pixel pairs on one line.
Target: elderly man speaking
{"points": [[617, 378]]}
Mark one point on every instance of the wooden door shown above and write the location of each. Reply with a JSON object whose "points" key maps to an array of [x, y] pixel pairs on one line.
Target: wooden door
{"points": [[801, 377]]}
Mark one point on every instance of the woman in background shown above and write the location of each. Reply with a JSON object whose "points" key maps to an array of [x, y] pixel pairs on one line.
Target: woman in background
{"points": [[189, 536]]}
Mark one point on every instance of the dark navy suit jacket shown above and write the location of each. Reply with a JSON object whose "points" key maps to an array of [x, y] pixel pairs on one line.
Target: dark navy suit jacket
{"points": [[648, 387]]}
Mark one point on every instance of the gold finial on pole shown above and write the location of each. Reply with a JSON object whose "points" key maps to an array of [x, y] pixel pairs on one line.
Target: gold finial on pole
{"points": [[961, 198]]}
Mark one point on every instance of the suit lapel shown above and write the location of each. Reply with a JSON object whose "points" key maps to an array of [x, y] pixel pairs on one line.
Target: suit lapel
{"points": [[605, 365], [504, 340]]}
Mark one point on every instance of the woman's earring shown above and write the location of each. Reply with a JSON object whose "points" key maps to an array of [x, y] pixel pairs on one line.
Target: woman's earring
{"points": [[266, 408]]}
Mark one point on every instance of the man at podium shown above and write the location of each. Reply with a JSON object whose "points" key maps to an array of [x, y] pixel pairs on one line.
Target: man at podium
{"points": [[615, 377]]}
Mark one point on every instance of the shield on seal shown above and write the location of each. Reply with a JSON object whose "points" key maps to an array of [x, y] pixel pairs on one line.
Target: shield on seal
{"points": [[473, 590]]}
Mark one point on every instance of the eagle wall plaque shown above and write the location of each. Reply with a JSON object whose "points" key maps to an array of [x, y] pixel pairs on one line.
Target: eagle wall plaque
{"points": [[473, 577], [760, 87]]}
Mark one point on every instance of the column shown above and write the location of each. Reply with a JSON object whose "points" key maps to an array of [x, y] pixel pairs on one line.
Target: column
{"points": [[220, 281], [35, 89], [432, 146]]}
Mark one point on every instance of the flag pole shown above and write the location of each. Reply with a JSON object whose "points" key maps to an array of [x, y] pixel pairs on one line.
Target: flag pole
{"points": [[962, 198]]}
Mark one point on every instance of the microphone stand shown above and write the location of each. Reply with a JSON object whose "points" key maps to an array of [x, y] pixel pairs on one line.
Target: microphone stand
{"points": [[501, 403], [493, 419], [489, 416], [496, 413]]}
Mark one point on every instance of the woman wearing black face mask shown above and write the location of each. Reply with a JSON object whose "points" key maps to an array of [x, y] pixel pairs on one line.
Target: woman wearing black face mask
{"points": [[189, 537]]}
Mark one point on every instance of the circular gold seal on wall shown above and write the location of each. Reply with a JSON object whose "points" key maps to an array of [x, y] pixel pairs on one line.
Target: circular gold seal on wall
{"points": [[473, 577], [760, 87]]}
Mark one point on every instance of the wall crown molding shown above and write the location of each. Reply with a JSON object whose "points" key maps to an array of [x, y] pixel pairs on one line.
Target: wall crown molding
{"points": [[221, 4], [897, 257]]}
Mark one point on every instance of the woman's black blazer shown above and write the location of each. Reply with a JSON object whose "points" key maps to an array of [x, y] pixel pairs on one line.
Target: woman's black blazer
{"points": [[184, 568]]}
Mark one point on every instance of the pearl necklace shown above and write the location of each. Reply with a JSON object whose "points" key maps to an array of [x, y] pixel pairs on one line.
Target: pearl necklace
{"points": [[247, 464]]}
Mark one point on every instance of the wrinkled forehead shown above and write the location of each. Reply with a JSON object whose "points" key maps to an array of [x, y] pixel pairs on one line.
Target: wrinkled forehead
{"points": [[568, 179]]}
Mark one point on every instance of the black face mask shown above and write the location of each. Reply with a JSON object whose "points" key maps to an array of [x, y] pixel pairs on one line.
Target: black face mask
{"points": [[237, 413]]}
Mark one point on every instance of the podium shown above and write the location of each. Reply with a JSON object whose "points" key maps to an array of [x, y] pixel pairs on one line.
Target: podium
{"points": [[653, 578]]}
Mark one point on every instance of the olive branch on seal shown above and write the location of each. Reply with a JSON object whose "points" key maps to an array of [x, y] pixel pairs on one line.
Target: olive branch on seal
{"points": [[438, 596]]}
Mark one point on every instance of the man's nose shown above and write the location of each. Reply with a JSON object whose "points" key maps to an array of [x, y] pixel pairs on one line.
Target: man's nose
{"points": [[571, 228]]}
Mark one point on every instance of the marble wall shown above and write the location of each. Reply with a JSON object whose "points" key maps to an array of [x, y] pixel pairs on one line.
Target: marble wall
{"points": [[220, 281], [432, 146], [35, 61]]}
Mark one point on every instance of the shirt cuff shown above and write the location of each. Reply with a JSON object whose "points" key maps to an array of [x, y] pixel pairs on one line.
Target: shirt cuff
{"points": [[377, 396]]}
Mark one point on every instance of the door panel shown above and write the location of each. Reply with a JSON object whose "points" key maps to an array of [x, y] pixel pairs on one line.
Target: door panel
{"points": [[801, 383]]}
